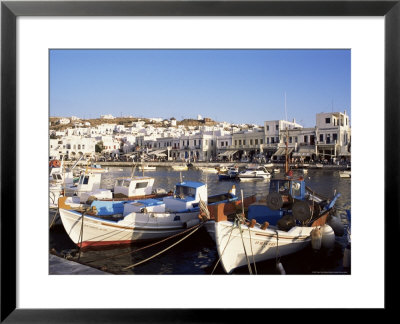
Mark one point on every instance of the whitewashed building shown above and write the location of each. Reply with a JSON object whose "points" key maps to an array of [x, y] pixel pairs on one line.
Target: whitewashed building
{"points": [[72, 147]]}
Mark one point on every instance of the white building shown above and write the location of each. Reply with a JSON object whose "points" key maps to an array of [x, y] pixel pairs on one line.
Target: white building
{"points": [[109, 116], [72, 147], [333, 134], [63, 121]]}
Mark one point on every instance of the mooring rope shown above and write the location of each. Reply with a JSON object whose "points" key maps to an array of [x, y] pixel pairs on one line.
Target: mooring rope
{"points": [[145, 247], [277, 259], [251, 246], [81, 236], [166, 249], [54, 218], [233, 226], [244, 248]]}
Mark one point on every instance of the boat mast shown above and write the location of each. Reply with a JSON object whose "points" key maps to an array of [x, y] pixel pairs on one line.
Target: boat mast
{"points": [[286, 153]]}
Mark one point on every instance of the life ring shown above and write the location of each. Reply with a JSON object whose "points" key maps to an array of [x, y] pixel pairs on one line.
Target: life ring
{"points": [[55, 163]]}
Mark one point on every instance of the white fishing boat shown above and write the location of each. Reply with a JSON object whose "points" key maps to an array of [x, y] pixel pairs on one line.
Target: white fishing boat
{"points": [[149, 219], [319, 165], [94, 168], [146, 167], [125, 188], [279, 227], [276, 170], [181, 167], [254, 173], [269, 165], [345, 174], [230, 173], [208, 169]]}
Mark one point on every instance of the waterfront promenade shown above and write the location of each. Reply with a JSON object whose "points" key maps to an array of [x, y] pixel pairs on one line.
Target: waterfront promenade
{"points": [[210, 164]]}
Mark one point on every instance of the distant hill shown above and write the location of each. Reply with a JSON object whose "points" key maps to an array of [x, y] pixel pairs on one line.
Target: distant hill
{"points": [[126, 122]]}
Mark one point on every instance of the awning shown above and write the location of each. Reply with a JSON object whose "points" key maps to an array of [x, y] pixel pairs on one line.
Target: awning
{"points": [[302, 154], [157, 153], [227, 153], [282, 151]]}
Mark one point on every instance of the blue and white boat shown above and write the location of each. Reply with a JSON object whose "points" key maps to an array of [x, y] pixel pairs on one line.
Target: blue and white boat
{"points": [[123, 222], [231, 173], [282, 225]]}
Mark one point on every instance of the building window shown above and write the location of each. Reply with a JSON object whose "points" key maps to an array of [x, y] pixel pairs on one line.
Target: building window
{"points": [[256, 141], [277, 139], [295, 139], [244, 142], [222, 143], [83, 146], [251, 142], [305, 139], [328, 138], [327, 120], [321, 137], [334, 137], [290, 139], [261, 141], [235, 142], [276, 127], [226, 143], [240, 142], [194, 142], [267, 128], [267, 140], [212, 143], [272, 140]]}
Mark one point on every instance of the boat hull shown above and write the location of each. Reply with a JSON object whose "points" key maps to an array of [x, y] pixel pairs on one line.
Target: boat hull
{"points": [[258, 244], [134, 227]]}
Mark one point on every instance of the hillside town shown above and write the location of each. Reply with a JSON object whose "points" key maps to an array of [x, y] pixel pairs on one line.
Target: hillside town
{"points": [[200, 140]]}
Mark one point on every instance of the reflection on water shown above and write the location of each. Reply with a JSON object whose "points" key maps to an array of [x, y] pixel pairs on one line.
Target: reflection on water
{"points": [[197, 254]]}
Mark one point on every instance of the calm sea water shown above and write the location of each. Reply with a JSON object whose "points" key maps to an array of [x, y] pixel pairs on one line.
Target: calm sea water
{"points": [[197, 254]]}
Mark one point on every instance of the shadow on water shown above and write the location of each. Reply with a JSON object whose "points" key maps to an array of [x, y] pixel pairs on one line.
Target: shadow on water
{"points": [[197, 254]]}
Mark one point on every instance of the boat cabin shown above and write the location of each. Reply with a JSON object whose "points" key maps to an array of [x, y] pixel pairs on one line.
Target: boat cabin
{"points": [[137, 186], [187, 195], [282, 191], [88, 182], [289, 185]]}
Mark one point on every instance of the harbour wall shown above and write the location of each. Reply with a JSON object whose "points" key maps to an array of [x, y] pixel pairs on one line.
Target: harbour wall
{"points": [[210, 164]]}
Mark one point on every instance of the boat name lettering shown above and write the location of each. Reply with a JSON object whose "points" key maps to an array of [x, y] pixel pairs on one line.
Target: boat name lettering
{"points": [[265, 243]]}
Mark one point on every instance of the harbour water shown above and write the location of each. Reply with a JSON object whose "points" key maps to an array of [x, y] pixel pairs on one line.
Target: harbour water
{"points": [[197, 254]]}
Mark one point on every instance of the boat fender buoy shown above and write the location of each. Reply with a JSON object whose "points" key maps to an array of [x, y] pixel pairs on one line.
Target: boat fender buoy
{"points": [[337, 225], [328, 237], [143, 210], [316, 238], [264, 225], [280, 268]]}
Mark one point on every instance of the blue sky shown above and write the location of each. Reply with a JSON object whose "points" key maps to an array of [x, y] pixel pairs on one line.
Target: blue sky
{"points": [[238, 86]]}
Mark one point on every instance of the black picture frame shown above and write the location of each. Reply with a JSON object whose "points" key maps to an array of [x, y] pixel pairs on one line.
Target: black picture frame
{"points": [[10, 10]]}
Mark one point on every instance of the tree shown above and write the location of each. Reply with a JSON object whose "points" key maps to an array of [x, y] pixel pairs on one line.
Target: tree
{"points": [[99, 147]]}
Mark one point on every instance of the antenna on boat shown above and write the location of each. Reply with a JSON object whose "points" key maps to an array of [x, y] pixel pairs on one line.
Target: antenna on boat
{"points": [[180, 176], [133, 170], [287, 167]]}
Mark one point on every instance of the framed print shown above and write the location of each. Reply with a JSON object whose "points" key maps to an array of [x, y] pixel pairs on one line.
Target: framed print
{"points": [[49, 47]]}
